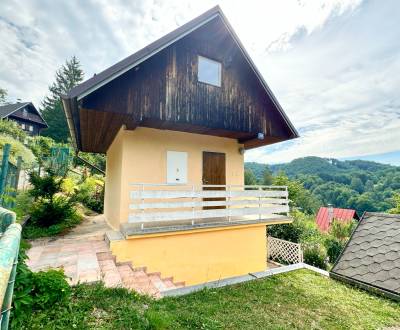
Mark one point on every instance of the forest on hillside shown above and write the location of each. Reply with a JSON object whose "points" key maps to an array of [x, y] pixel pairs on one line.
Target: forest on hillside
{"points": [[357, 184]]}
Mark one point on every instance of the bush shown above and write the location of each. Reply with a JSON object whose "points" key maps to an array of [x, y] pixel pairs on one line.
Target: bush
{"points": [[17, 149], [23, 203], [52, 213], [22, 299], [333, 248], [44, 186], [301, 229], [315, 255], [290, 232], [36, 291], [50, 287], [48, 212], [91, 193], [341, 230], [11, 128]]}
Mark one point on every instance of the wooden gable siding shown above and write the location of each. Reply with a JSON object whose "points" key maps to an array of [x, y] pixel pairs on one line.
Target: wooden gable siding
{"points": [[164, 92]]}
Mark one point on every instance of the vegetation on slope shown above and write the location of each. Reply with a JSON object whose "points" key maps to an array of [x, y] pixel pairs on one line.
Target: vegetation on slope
{"points": [[356, 184], [300, 300]]}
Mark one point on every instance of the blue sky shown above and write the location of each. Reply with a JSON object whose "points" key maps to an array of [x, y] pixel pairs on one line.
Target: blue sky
{"points": [[333, 65]]}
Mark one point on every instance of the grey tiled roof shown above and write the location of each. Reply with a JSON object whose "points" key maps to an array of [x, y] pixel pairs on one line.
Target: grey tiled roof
{"points": [[7, 109], [372, 256]]}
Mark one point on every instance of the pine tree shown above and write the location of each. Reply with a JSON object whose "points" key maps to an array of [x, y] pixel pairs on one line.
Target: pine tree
{"points": [[3, 96], [67, 77]]}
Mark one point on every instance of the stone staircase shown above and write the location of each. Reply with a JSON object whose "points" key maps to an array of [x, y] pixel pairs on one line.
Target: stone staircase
{"points": [[123, 274], [84, 255]]}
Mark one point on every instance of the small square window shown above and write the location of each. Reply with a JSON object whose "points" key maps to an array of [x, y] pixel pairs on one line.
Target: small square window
{"points": [[23, 126], [209, 71]]}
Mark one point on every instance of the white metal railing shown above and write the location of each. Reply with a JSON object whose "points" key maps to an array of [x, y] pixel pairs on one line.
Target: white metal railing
{"points": [[284, 251], [172, 202]]}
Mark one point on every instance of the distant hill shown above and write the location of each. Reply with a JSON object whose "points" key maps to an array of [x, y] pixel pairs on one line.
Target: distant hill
{"points": [[359, 184]]}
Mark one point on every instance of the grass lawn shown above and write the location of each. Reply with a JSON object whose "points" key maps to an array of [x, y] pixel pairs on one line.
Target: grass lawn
{"points": [[296, 300]]}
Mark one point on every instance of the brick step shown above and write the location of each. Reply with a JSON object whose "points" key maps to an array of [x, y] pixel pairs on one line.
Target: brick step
{"points": [[109, 271], [124, 274]]}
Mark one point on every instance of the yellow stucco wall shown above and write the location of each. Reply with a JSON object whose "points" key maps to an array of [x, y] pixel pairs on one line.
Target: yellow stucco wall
{"points": [[139, 156], [198, 256], [112, 195]]}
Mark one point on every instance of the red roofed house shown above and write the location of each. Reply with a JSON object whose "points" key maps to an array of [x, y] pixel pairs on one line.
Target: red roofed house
{"points": [[326, 215]]}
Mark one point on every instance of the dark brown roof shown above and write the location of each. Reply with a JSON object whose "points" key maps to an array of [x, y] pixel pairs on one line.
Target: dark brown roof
{"points": [[70, 101], [371, 258], [12, 110]]}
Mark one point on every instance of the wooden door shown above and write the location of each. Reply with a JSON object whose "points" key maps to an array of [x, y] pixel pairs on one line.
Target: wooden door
{"points": [[214, 174]]}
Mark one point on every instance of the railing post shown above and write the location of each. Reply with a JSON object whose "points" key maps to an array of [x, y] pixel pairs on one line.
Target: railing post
{"points": [[259, 203], [142, 203], [193, 201], [229, 202], [287, 198]]}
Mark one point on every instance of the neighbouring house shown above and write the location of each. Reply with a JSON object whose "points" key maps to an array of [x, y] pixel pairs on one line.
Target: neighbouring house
{"points": [[174, 120], [371, 258], [326, 215], [26, 115]]}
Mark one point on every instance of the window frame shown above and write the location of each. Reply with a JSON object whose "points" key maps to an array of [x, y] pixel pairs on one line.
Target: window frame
{"points": [[207, 59]]}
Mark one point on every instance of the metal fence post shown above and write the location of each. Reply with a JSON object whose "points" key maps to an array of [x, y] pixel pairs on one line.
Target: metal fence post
{"points": [[4, 168]]}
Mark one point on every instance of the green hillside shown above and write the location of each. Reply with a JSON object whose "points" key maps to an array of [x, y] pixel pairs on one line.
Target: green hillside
{"points": [[362, 185]]}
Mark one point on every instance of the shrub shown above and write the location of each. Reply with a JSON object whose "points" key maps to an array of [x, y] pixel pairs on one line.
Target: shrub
{"points": [[333, 248], [23, 203], [51, 213], [44, 186], [290, 232], [11, 128], [48, 212], [23, 282], [50, 287], [91, 193], [36, 291], [315, 255], [341, 230], [17, 149]]}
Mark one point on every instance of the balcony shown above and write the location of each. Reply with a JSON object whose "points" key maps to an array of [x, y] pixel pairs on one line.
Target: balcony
{"points": [[156, 208]]}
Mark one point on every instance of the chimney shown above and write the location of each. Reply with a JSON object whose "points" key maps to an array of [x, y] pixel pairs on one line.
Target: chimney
{"points": [[330, 213]]}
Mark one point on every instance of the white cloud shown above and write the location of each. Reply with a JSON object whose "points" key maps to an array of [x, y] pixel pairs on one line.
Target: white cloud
{"points": [[334, 65]]}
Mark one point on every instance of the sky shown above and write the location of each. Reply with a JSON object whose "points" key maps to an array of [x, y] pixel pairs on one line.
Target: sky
{"points": [[333, 65]]}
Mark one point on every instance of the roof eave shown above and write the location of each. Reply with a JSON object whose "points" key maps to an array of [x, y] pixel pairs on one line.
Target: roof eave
{"points": [[366, 286], [69, 105]]}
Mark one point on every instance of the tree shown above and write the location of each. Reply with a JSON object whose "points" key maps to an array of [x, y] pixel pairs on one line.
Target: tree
{"points": [[267, 176], [396, 200], [68, 76], [357, 185], [298, 195], [249, 178], [3, 96]]}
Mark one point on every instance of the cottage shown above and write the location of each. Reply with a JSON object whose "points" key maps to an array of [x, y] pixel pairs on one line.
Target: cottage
{"points": [[26, 115], [326, 215], [174, 120]]}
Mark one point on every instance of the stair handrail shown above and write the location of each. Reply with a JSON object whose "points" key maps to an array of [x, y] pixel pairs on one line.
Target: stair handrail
{"points": [[10, 237]]}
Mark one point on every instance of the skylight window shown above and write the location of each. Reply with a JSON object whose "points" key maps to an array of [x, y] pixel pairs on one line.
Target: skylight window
{"points": [[209, 71]]}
